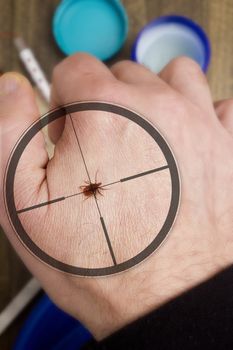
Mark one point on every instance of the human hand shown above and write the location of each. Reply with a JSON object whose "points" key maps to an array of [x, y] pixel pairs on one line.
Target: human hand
{"points": [[200, 243]]}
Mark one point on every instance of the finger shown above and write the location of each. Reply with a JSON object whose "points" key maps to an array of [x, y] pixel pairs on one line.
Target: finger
{"points": [[78, 77], [134, 73], [18, 111], [224, 111], [185, 76]]}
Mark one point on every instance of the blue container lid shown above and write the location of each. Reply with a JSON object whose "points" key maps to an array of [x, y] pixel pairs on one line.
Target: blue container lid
{"points": [[168, 37], [98, 27], [48, 327]]}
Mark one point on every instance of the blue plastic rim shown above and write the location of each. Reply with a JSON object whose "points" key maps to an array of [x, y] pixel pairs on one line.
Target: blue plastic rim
{"points": [[49, 328], [187, 24], [98, 27]]}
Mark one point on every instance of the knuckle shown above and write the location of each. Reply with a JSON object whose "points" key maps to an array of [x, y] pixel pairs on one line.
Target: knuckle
{"points": [[82, 62], [103, 89], [186, 64], [121, 67]]}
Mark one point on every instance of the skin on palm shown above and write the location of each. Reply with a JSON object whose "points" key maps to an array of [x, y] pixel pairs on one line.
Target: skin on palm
{"points": [[200, 243]]}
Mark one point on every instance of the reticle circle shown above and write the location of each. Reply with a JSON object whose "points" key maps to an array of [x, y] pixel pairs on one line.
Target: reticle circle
{"points": [[116, 263]]}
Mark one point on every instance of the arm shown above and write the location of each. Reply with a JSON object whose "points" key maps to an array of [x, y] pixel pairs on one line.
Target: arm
{"points": [[197, 319]]}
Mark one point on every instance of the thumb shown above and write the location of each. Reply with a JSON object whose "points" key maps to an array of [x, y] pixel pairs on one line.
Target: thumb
{"points": [[18, 110]]}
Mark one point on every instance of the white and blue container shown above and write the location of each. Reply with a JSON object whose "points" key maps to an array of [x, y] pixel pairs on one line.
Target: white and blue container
{"points": [[169, 37]]}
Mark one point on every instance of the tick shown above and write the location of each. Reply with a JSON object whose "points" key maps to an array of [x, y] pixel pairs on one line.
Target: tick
{"points": [[92, 189]]}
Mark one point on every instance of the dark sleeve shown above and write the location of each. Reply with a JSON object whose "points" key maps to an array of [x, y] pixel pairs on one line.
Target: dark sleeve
{"points": [[201, 318]]}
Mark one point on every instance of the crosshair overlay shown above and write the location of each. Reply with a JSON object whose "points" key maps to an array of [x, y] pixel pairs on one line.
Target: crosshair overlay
{"points": [[14, 214]]}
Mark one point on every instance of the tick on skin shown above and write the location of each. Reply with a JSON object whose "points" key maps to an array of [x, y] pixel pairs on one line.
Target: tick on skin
{"points": [[92, 188]]}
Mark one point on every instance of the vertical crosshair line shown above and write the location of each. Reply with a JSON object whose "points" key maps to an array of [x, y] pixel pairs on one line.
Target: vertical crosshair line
{"points": [[80, 148], [101, 218]]}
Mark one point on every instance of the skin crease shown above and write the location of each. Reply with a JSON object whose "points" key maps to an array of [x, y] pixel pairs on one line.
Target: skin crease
{"points": [[179, 103]]}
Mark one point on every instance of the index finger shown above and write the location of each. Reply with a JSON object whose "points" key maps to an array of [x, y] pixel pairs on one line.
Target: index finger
{"points": [[78, 77]]}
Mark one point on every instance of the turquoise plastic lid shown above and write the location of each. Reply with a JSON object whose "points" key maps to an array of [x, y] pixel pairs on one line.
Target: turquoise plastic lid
{"points": [[98, 27]]}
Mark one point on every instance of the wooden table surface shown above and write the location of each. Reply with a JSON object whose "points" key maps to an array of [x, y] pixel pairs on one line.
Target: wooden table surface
{"points": [[32, 20]]}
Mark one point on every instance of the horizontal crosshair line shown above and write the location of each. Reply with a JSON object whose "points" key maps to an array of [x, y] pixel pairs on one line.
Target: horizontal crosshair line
{"points": [[41, 204], [137, 175], [47, 203], [145, 173], [76, 194]]}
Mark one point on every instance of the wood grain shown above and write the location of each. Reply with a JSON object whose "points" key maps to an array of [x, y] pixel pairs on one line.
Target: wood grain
{"points": [[32, 20]]}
